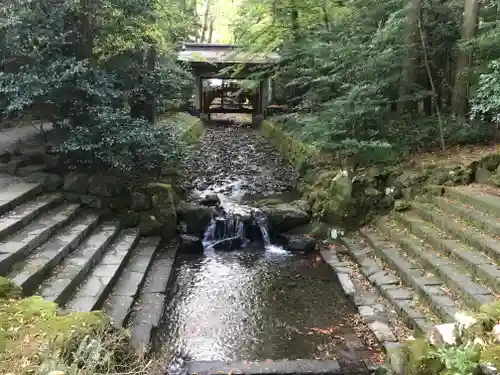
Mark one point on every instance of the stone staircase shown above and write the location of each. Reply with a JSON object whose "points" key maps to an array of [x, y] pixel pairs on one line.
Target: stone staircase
{"points": [[80, 259], [438, 257]]}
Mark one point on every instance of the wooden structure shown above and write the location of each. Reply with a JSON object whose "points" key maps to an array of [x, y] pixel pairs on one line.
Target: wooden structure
{"points": [[209, 61]]}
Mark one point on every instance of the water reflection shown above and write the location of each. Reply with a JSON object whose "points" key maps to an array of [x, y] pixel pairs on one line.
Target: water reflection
{"points": [[253, 305]]}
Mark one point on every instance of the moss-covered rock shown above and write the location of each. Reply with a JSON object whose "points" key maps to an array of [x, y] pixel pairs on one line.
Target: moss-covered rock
{"points": [[491, 309], [130, 219], [419, 360], [149, 225], [285, 216], [402, 205], [105, 186], [196, 216], [76, 183], [163, 207], [140, 201], [8, 289], [490, 162], [490, 355]]}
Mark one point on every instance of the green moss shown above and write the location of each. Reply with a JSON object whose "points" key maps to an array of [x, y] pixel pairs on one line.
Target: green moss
{"points": [[31, 326], [491, 309], [8, 289], [163, 208], [418, 359], [191, 127], [149, 225], [491, 355], [302, 156]]}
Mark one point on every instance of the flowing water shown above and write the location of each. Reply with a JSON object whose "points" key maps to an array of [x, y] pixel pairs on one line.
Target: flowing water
{"points": [[260, 302]]}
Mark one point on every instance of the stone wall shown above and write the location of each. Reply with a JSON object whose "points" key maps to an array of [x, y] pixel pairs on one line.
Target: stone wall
{"points": [[150, 204], [349, 198]]}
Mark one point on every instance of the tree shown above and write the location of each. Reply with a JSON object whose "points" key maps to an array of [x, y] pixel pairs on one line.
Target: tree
{"points": [[101, 69], [464, 62]]}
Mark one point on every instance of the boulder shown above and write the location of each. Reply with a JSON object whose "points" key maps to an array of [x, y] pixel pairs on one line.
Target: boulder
{"points": [[163, 206], [440, 177], [130, 219], [105, 186], [140, 201], [196, 216], [285, 216], [76, 183], [491, 162], [298, 243], [442, 334], [482, 175], [14, 164], [92, 201], [190, 244], [303, 205], [149, 226], [210, 200], [51, 181], [401, 205]]}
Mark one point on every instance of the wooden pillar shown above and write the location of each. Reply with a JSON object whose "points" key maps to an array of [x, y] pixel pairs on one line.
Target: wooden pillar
{"points": [[198, 97], [258, 115]]}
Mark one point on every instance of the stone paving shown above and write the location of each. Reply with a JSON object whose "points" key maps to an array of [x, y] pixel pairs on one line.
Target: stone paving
{"points": [[438, 257], [80, 260]]}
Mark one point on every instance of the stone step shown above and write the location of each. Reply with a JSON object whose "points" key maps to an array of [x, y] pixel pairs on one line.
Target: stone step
{"points": [[15, 248], [476, 197], [280, 367], [17, 193], [467, 234], [150, 304], [69, 274], [419, 248], [23, 214], [120, 302], [30, 273], [404, 299], [431, 289], [485, 222], [94, 290], [441, 237]]}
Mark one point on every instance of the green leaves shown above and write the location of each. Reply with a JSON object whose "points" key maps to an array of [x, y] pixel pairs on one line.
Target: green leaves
{"points": [[44, 72]]}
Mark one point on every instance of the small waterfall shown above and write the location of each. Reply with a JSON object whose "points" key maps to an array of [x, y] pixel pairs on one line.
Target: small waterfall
{"points": [[261, 221], [228, 230]]}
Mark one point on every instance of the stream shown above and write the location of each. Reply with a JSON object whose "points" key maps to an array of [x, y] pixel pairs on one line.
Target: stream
{"points": [[261, 302]]}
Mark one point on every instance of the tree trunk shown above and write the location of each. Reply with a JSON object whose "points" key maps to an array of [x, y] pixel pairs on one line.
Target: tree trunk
{"points": [[211, 30], [86, 31], [410, 74], [205, 21], [295, 21], [459, 102]]}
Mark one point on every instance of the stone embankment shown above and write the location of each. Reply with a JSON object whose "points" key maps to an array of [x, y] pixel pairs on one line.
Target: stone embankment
{"points": [[432, 257]]}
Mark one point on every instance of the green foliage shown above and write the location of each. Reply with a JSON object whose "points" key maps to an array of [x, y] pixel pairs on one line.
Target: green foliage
{"points": [[114, 140], [343, 70], [98, 70], [487, 99], [462, 359]]}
